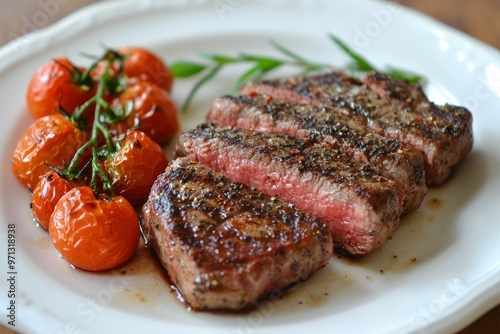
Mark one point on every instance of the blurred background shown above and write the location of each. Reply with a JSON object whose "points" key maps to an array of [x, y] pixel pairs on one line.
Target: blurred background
{"points": [[478, 18]]}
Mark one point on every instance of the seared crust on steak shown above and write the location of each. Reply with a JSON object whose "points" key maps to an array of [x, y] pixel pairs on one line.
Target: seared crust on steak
{"points": [[360, 206], [390, 107], [224, 245], [392, 158]]}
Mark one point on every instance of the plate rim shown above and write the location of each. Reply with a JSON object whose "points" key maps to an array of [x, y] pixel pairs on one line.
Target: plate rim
{"points": [[127, 7], [100, 11]]}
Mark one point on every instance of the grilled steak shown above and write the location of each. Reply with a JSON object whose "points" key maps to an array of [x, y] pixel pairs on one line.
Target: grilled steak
{"points": [[392, 158], [224, 245], [389, 107], [358, 204]]}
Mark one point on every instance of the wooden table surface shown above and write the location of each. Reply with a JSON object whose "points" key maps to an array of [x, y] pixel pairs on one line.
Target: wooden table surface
{"points": [[478, 18]]}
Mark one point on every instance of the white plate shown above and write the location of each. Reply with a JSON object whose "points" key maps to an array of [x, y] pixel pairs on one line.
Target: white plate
{"points": [[439, 273]]}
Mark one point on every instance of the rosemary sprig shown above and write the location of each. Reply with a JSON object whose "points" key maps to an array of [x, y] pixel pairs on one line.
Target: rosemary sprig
{"points": [[360, 64], [262, 65], [199, 84]]}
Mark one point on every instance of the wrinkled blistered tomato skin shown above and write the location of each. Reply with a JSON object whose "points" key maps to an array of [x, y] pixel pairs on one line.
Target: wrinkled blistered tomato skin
{"points": [[49, 140], [147, 66], [46, 195], [134, 168], [94, 234], [153, 113], [52, 87]]}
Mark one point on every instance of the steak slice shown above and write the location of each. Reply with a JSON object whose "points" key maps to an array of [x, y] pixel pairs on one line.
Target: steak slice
{"points": [[392, 158], [360, 207], [390, 107], [224, 245]]}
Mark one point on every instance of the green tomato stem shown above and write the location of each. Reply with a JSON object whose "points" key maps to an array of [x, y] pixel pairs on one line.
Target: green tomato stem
{"points": [[96, 127]]}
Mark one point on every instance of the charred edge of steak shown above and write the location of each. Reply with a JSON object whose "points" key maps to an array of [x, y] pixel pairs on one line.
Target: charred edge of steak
{"points": [[224, 245], [390, 107], [360, 206], [392, 158]]}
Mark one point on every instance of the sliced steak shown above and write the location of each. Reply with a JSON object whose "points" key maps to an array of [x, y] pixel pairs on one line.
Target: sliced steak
{"points": [[224, 245], [392, 158], [360, 206], [389, 107]]}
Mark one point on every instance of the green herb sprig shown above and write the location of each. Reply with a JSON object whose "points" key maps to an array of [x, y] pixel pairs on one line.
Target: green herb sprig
{"points": [[360, 64], [262, 65]]}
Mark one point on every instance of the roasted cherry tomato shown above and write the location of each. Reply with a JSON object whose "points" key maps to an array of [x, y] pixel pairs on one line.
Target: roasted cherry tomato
{"points": [[57, 84], [46, 195], [147, 66], [153, 112], [94, 234], [134, 168], [51, 140]]}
